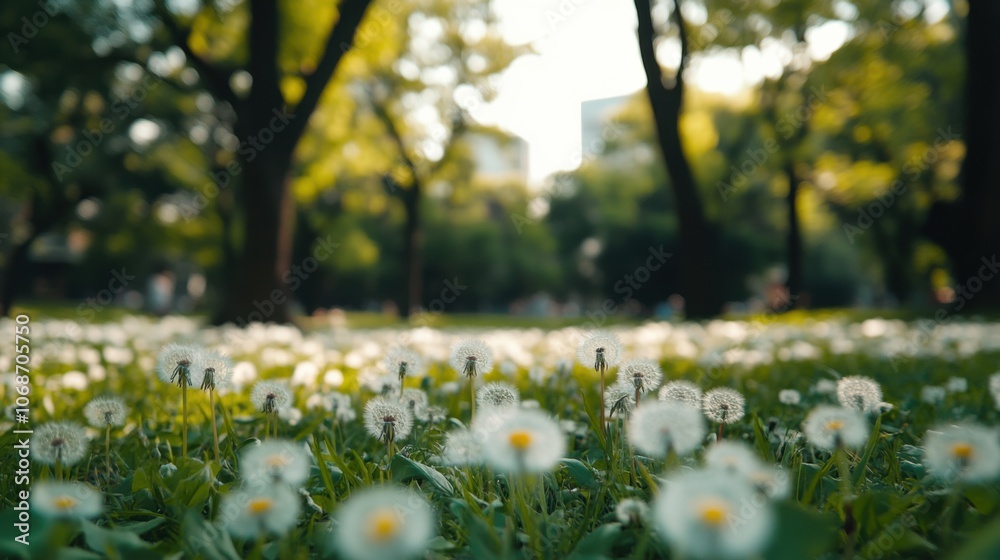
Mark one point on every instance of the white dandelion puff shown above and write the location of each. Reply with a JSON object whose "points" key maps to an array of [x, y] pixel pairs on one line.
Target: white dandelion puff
{"points": [[632, 512], [462, 448], [723, 405], [256, 511], [174, 362], [995, 389], [600, 350], [657, 428], [270, 397], [340, 406], [830, 427], [619, 399], [279, 460], [643, 375], [732, 457], [957, 385], [790, 397], [860, 393], [471, 358], [704, 515], [416, 401], [216, 370], [387, 419], [102, 412], [967, 452], [770, 481], [498, 395], [59, 442], [933, 394], [384, 524], [521, 441], [403, 362], [66, 500], [681, 391]]}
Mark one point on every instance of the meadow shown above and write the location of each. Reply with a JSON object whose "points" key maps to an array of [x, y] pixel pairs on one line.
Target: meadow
{"points": [[772, 438]]}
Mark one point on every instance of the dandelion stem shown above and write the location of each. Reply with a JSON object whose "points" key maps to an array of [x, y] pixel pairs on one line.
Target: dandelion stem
{"points": [[184, 415], [107, 450], [267, 425], [215, 429], [58, 469], [472, 397], [602, 367], [718, 438], [275, 413], [847, 491]]}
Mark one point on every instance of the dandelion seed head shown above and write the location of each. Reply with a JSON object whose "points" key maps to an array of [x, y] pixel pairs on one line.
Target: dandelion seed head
{"points": [[681, 391], [498, 395], [416, 401], [600, 350], [462, 448], [642, 374], [105, 411], [65, 442], [957, 385], [65, 500], [471, 358], [732, 457], [276, 460], [216, 368], [632, 512], [933, 394], [385, 523], [790, 397], [656, 428], [259, 510], [828, 427], [994, 385], [387, 418], [403, 362], [619, 400], [270, 397], [968, 452], [859, 392], [723, 405], [174, 364], [520, 441]]}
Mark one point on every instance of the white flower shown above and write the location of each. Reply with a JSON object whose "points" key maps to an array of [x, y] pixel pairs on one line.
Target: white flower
{"points": [[471, 358], [658, 427], [270, 396], [66, 500], [333, 377], [461, 447], [828, 427], [704, 515], [771, 481], [417, 401], [995, 388], [681, 391], [173, 365], [933, 394], [340, 406], [825, 386], [521, 441], [384, 523], [105, 411], [600, 350], [498, 395], [387, 419], [957, 385], [403, 362], [733, 457], [968, 452], [277, 460], [63, 442], [217, 370], [304, 374], [259, 510], [642, 374], [723, 405], [619, 399], [789, 397], [631, 511], [860, 393]]}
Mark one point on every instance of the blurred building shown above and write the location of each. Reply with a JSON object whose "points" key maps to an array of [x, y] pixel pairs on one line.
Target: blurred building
{"points": [[499, 156], [597, 122]]}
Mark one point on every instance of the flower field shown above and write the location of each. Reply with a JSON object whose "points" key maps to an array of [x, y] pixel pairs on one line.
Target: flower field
{"points": [[773, 439]]}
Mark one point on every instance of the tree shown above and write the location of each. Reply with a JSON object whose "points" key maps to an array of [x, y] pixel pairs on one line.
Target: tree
{"points": [[697, 237]]}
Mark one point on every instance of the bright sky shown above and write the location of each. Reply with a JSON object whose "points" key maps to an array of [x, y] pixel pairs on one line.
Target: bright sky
{"points": [[587, 49]]}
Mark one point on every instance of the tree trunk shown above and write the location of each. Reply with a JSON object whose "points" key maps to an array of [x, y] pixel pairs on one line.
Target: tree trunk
{"points": [[16, 267], [968, 229], [794, 244], [413, 300], [697, 251]]}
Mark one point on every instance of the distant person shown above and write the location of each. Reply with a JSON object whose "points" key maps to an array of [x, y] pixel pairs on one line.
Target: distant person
{"points": [[160, 292]]}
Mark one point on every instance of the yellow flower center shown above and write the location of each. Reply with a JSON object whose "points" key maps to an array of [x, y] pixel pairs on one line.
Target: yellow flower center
{"points": [[713, 512], [835, 425], [520, 439], [384, 525], [64, 502], [963, 450], [258, 506], [277, 461]]}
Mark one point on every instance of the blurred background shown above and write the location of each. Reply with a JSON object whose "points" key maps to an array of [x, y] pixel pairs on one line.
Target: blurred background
{"points": [[261, 160]]}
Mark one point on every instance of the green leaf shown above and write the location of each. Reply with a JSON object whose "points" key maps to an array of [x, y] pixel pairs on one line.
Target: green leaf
{"points": [[873, 439], [404, 469], [598, 544], [760, 437], [581, 473], [984, 544], [202, 539], [801, 533], [116, 543]]}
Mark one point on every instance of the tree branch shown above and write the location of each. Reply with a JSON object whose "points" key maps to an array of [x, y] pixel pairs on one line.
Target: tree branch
{"points": [[217, 80], [337, 44]]}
